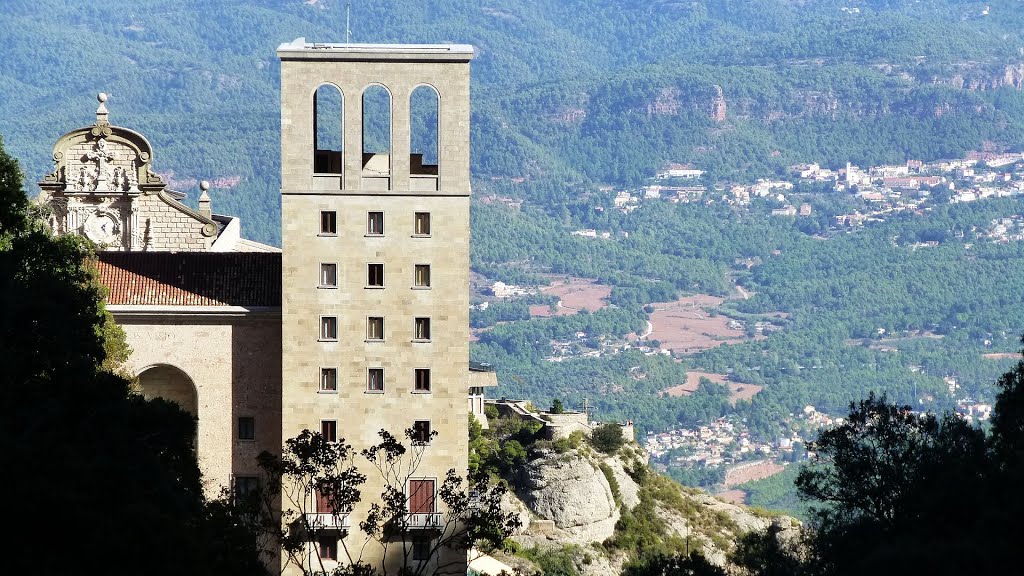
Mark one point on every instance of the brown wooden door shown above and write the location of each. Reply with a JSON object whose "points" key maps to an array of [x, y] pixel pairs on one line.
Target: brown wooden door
{"points": [[323, 503], [421, 496]]}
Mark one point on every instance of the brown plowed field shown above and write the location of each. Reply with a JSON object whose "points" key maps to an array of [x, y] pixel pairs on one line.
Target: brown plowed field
{"points": [[752, 471], [737, 391], [685, 328], [574, 295]]}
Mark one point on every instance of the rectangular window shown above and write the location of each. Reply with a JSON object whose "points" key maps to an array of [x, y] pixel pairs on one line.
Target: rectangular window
{"points": [[421, 276], [374, 223], [328, 327], [246, 486], [375, 380], [246, 428], [421, 497], [421, 549], [422, 380], [421, 432], [375, 275], [328, 547], [329, 430], [328, 223], [375, 328], [328, 379], [422, 329], [328, 275], [422, 225]]}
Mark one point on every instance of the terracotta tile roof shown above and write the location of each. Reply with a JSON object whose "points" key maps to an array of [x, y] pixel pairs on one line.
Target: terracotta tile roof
{"points": [[191, 278]]}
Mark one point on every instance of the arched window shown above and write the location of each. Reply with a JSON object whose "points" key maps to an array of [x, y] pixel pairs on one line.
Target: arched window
{"points": [[376, 132], [327, 135], [423, 132]]}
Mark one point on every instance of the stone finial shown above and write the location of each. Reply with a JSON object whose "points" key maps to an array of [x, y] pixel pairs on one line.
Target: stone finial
{"points": [[101, 112], [204, 200]]}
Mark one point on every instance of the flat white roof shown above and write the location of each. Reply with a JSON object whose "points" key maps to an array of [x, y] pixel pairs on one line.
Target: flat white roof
{"points": [[302, 50]]}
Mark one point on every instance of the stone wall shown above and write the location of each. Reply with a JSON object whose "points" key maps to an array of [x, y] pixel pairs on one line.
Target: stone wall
{"points": [[164, 228], [234, 363]]}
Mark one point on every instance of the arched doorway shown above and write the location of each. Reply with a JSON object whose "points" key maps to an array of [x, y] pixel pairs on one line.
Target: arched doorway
{"points": [[169, 383]]}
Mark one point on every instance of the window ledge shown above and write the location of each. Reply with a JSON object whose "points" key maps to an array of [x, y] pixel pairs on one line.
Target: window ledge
{"points": [[327, 339], [328, 235], [373, 287], [421, 236], [421, 340], [422, 392], [328, 287], [373, 235], [421, 287], [373, 340], [373, 392], [326, 391]]}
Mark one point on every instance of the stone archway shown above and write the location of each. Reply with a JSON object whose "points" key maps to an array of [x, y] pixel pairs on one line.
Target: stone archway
{"points": [[172, 384]]}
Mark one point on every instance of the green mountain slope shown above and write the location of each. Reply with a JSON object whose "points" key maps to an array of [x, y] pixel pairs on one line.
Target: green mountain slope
{"points": [[602, 90]]}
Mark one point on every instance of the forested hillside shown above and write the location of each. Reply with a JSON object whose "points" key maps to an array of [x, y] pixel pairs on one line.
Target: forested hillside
{"points": [[577, 90]]}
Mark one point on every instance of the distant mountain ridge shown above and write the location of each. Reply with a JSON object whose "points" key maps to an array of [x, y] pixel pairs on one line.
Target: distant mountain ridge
{"points": [[564, 91]]}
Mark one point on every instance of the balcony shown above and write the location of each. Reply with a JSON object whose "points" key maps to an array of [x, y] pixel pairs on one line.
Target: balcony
{"points": [[328, 521], [426, 520]]}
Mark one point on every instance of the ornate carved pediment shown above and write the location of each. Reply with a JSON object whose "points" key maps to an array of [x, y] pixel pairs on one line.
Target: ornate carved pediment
{"points": [[100, 172], [102, 159]]}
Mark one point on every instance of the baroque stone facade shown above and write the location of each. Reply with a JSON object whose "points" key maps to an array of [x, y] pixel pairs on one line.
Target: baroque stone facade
{"points": [[200, 306]]}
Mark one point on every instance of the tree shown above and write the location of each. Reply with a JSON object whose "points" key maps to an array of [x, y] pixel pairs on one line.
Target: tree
{"points": [[109, 475], [607, 438], [896, 487], [318, 483], [556, 406]]}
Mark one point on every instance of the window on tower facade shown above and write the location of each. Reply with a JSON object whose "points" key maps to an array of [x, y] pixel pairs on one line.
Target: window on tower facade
{"points": [[328, 379], [328, 547], [374, 223], [246, 428], [328, 275], [422, 380], [421, 432], [421, 329], [328, 223], [329, 430], [329, 328], [421, 276], [375, 275], [422, 224], [375, 328], [375, 380], [421, 548]]}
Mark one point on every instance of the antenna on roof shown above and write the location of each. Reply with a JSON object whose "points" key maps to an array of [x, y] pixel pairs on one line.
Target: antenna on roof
{"points": [[348, 30]]}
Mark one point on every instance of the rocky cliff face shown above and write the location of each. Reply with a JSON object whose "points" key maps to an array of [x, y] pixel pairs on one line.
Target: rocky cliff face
{"points": [[574, 500]]}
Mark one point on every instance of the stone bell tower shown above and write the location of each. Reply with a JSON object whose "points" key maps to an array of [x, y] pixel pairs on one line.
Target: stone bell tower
{"points": [[375, 231]]}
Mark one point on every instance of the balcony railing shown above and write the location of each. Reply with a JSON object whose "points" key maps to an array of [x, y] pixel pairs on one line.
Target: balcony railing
{"points": [[425, 520], [328, 521]]}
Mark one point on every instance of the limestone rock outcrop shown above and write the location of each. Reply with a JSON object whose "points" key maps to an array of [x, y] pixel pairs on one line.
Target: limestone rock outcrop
{"points": [[570, 490]]}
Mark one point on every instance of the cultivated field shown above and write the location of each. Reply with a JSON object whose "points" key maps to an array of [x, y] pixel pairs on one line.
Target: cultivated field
{"points": [[574, 295], [737, 391], [751, 471], [685, 328]]}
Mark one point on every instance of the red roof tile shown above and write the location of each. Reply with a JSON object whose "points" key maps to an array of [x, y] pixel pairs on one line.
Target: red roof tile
{"points": [[191, 278]]}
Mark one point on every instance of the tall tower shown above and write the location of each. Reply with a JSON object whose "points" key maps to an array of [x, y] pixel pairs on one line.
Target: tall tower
{"points": [[375, 233]]}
